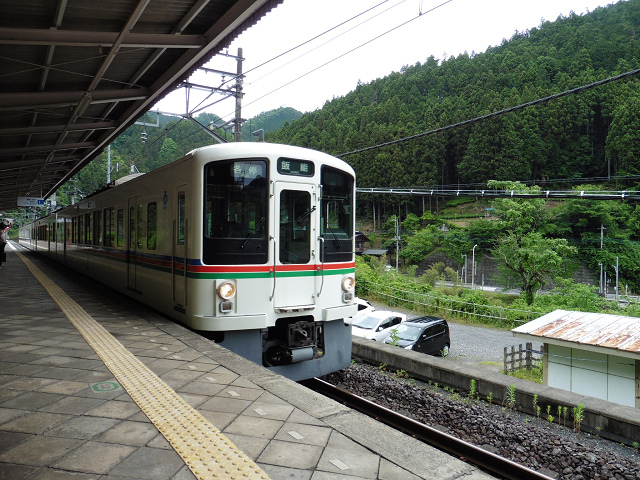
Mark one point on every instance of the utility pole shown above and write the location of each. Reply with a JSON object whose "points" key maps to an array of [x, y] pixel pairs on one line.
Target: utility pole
{"points": [[237, 133], [617, 258], [602, 229], [465, 267], [397, 240], [226, 91], [600, 276], [473, 267]]}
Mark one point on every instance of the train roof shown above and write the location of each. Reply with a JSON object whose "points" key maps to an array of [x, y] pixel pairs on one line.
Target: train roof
{"points": [[240, 149]]}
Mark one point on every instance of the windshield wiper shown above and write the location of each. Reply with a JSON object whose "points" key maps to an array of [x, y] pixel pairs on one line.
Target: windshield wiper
{"points": [[302, 217], [255, 229], [336, 240]]}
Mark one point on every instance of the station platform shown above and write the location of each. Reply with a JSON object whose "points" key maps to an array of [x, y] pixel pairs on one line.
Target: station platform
{"points": [[96, 386]]}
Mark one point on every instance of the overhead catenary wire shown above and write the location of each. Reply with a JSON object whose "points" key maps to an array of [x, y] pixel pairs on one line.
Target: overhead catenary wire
{"points": [[497, 113], [199, 106], [299, 46], [325, 32], [328, 41], [504, 193], [347, 52]]}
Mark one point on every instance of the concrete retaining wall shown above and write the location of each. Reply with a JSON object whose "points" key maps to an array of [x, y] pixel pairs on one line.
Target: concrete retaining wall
{"points": [[487, 271], [616, 422]]}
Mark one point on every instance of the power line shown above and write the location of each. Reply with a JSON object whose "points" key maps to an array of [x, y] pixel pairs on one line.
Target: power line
{"points": [[299, 46], [347, 53], [327, 31], [328, 41], [496, 114], [199, 108]]}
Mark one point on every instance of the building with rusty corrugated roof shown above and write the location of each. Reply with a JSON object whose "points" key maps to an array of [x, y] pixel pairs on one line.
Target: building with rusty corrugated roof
{"points": [[594, 354]]}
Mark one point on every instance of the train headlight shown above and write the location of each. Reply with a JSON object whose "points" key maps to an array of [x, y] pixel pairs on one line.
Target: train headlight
{"points": [[348, 283], [226, 290]]}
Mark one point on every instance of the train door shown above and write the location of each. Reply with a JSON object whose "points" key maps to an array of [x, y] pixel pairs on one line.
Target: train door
{"points": [[179, 254], [294, 275], [131, 244]]}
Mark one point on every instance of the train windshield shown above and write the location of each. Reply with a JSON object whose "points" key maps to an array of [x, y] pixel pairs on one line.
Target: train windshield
{"points": [[336, 227], [235, 212]]}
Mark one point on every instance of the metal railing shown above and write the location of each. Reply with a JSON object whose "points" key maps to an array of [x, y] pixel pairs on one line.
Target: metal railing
{"points": [[440, 305]]}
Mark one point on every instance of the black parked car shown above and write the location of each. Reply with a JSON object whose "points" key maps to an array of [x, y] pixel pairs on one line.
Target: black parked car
{"points": [[423, 334]]}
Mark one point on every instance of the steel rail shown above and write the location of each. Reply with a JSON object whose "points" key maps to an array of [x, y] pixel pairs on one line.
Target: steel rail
{"points": [[487, 461]]}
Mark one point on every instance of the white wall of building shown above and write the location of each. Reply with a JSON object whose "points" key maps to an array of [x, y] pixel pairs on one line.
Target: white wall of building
{"points": [[607, 377]]}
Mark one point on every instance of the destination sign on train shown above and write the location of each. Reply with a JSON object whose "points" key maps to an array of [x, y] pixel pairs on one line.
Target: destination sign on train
{"points": [[291, 166]]}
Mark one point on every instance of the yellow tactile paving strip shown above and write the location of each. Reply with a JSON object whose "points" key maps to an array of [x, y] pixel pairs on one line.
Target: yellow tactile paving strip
{"points": [[204, 449]]}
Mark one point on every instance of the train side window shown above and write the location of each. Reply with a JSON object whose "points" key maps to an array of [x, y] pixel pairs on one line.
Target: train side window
{"points": [[132, 228], [152, 225], [120, 228], [140, 227], [108, 227], [336, 215], [88, 228], [181, 219], [74, 231], [81, 229], [97, 230]]}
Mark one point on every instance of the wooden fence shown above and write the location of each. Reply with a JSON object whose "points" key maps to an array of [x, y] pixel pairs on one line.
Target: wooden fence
{"points": [[516, 359]]}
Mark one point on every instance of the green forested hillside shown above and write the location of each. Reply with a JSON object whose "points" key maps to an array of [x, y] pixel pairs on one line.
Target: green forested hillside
{"points": [[590, 134]]}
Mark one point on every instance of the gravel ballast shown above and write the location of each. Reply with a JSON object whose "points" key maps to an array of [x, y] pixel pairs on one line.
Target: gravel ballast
{"points": [[552, 449]]}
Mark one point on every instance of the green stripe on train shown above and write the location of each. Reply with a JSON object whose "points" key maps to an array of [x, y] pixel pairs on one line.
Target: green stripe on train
{"points": [[281, 274]]}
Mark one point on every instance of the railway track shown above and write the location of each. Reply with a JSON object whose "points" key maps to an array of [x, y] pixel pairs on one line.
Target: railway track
{"points": [[487, 461]]}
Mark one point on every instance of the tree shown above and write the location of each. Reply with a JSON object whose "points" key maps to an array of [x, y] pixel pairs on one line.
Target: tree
{"points": [[526, 254], [531, 260], [166, 155], [421, 244], [623, 141]]}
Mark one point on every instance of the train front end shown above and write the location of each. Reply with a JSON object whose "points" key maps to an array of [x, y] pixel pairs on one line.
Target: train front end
{"points": [[278, 245]]}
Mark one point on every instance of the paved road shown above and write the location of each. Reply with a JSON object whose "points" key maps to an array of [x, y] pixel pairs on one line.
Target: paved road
{"points": [[473, 344]]}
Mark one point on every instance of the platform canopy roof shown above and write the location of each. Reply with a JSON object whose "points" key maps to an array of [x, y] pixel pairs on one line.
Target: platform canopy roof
{"points": [[74, 74], [598, 332]]}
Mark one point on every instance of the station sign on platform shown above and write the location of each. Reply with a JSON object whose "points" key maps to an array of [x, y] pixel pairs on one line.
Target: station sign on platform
{"points": [[30, 202]]}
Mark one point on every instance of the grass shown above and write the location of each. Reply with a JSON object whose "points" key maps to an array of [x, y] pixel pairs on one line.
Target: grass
{"points": [[534, 374], [490, 363], [505, 298]]}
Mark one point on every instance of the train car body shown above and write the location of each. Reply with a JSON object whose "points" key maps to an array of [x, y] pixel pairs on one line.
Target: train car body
{"points": [[253, 242]]}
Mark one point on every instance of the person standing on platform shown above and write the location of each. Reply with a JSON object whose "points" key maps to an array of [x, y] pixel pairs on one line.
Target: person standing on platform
{"points": [[4, 232]]}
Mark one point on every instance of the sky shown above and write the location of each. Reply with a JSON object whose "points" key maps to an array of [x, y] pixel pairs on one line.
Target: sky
{"points": [[358, 51]]}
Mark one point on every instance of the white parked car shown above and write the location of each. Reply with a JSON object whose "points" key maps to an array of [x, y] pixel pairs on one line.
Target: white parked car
{"points": [[364, 306], [369, 325]]}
